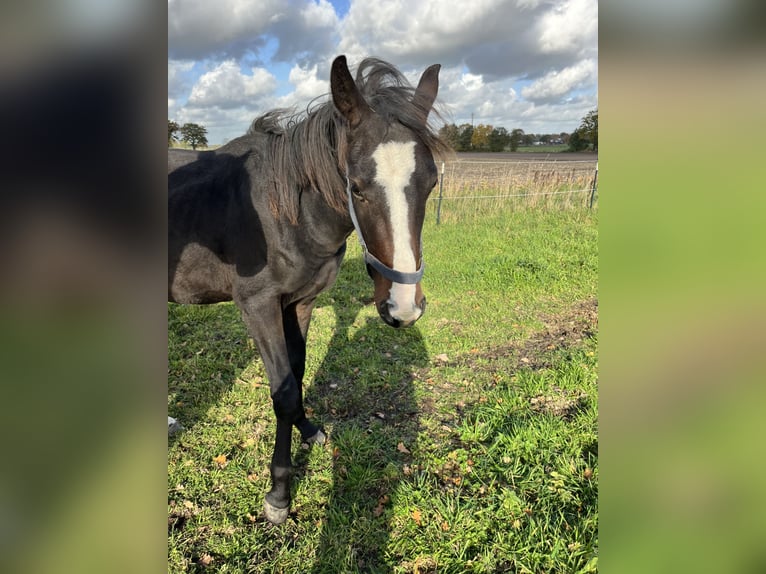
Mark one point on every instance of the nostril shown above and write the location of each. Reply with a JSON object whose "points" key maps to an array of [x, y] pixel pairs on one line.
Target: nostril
{"points": [[384, 310]]}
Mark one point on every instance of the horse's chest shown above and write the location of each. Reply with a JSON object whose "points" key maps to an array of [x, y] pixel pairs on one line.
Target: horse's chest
{"points": [[301, 278]]}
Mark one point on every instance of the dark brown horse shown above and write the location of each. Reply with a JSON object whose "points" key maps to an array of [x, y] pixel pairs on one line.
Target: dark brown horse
{"points": [[264, 220]]}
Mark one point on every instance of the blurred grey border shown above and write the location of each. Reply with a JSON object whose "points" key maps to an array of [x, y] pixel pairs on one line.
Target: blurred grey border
{"points": [[681, 305], [82, 253]]}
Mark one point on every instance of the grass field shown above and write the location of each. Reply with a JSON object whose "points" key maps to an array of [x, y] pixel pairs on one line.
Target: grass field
{"points": [[553, 148], [478, 188], [467, 443]]}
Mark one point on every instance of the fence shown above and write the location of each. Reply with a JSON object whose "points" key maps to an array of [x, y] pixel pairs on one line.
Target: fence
{"points": [[477, 187]]}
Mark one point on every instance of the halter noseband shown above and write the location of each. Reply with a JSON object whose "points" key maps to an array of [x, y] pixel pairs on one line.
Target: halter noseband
{"points": [[389, 273]]}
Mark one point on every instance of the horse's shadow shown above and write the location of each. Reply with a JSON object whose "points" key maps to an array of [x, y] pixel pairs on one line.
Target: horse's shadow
{"points": [[227, 346], [363, 393]]}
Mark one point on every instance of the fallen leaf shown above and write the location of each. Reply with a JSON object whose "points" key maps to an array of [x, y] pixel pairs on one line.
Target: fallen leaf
{"points": [[417, 517], [403, 449], [442, 357], [249, 443], [220, 460], [205, 560], [587, 473], [335, 453], [382, 501], [252, 477], [445, 526]]}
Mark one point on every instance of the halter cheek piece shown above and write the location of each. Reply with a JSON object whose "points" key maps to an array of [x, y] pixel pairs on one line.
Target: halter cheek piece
{"points": [[391, 274]]}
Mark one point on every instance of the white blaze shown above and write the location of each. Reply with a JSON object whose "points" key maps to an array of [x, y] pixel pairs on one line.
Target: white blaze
{"points": [[395, 162]]}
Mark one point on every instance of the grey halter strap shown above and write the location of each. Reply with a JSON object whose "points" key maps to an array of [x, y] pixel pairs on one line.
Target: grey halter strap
{"points": [[391, 274]]}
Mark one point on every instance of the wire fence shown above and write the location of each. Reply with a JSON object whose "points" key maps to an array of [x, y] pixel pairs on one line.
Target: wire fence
{"points": [[469, 188]]}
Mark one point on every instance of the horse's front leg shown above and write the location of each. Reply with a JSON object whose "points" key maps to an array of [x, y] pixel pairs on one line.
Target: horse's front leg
{"points": [[265, 323], [296, 318]]}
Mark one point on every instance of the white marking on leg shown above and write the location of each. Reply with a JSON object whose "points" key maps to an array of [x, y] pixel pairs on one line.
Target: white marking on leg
{"points": [[395, 162]]}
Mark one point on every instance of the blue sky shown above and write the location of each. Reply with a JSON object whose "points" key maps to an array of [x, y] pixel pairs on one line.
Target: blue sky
{"points": [[529, 64]]}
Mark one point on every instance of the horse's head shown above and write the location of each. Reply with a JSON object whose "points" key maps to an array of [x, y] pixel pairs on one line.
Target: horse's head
{"points": [[390, 172]]}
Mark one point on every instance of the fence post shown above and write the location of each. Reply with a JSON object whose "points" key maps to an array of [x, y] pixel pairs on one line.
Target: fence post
{"points": [[439, 205], [593, 188]]}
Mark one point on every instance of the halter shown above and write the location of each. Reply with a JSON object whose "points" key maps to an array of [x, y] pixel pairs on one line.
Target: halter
{"points": [[391, 274]]}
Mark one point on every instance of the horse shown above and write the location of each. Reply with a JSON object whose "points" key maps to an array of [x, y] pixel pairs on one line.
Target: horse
{"points": [[264, 219]]}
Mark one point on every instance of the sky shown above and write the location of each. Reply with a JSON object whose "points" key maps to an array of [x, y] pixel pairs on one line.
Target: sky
{"points": [[529, 64]]}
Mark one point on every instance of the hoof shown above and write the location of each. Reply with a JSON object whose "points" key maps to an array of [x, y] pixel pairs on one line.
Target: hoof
{"points": [[174, 426], [273, 514], [319, 438]]}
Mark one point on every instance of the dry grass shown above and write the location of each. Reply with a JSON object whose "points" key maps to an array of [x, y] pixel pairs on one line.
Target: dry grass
{"points": [[482, 187]]}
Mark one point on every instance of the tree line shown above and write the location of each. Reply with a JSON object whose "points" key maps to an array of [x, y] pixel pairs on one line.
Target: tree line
{"points": [[194, 135], [465, 137], [483, 137]]}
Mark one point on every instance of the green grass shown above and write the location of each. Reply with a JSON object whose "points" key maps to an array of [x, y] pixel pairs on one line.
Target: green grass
{"points": [[467, 443]]}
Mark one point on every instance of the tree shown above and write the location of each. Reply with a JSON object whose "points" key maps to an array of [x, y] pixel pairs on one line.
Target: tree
{"points": [[172, 129], [464, 137], [480, 137], [517, 136], [587, 134], [451, 134], [499, 139], [194, 135], [589, 128], [577, 142]]}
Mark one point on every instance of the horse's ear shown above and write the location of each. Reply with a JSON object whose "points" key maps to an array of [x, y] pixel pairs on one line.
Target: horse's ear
{"points": [[345, 94], [428, 86]]}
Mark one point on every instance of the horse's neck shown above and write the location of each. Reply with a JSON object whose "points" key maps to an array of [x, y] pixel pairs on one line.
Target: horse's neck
{"points": [[327, 228]]}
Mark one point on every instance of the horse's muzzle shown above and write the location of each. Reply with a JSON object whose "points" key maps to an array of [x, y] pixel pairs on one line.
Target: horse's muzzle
{"points": [[397, 320]]}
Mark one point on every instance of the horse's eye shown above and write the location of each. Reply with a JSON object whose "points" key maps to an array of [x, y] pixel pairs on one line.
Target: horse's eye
{"points": [[355, 191]]}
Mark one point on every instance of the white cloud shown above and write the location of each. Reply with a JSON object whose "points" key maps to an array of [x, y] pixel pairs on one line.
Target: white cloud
{"points": [[556, 84], [232, 28], [498, 103], [178, 81], [570, 28], [198, 28], [511, 63], [419, 31], [319, 15], [307, 82], [226, 86]]}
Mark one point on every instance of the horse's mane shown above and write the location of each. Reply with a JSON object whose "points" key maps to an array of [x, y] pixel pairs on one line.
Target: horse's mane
{"points": [[309, 150]]}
